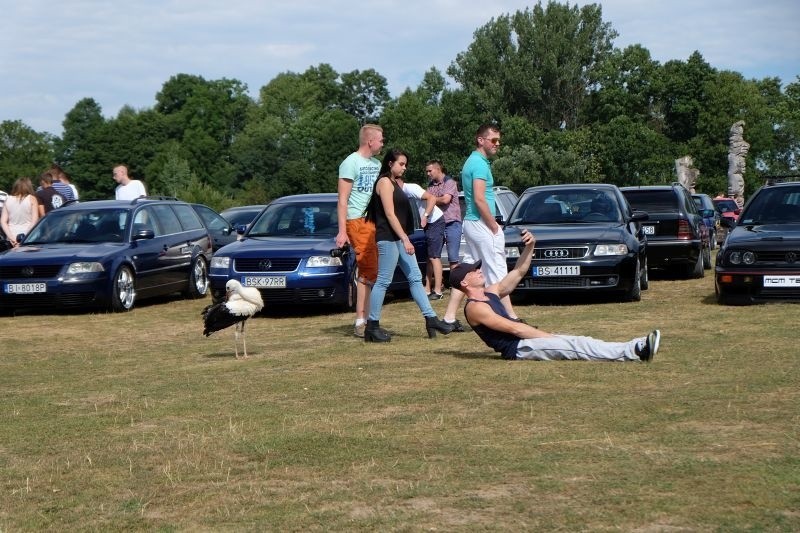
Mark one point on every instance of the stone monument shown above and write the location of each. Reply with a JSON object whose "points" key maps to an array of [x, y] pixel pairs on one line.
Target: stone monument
{"points": [[687, 175], [737, 150]]}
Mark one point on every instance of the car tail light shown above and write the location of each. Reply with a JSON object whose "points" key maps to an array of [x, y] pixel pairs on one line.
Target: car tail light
{"points": [[684, 230]]}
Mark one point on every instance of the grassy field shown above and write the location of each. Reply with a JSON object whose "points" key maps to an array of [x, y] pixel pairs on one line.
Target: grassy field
{"points": [[136, 421]]}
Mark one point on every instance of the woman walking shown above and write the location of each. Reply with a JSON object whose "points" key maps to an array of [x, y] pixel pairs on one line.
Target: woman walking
{"points": [[20, 212], [390, 210]]}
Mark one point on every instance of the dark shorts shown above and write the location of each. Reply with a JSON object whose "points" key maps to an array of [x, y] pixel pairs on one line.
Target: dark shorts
{"points": [[452, 233], [434, 233]]}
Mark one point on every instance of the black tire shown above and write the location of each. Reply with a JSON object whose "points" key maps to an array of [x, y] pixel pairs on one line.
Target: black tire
{"points": [[198, 279], [645, 276], [712, 238], [349, 303], [123, 290], [697, 271], [706, 258], [634, 294]]}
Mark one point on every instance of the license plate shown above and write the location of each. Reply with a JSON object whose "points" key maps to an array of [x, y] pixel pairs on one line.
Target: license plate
{"points": [[561, 270], [25, 288], [781, 281], [265, 282], [649, 230]]}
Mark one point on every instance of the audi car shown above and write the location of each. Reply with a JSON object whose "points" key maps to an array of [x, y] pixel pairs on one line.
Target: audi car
{"points": [[289, 253], [760, 259], [588, 241]]}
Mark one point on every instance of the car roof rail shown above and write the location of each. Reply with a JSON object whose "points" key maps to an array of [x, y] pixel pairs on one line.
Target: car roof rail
{"points": [[780, 178], [136, 200]]}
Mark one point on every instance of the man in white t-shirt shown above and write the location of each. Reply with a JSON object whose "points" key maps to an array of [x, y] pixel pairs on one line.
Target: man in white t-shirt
{"points": [[127, 189]]}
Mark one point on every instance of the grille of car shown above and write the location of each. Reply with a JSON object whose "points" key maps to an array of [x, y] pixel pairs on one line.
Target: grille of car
{"points": [[44, 300], [263, 264], [288, 296], [36, 271], [561, 253], [790, 257], [570, 282]]}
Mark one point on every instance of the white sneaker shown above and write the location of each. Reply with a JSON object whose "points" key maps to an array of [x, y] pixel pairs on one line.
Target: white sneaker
{"points": [[358, 330]]}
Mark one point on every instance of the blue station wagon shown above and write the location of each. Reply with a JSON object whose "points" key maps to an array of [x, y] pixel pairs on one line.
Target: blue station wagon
{"points": [[289, 253]]}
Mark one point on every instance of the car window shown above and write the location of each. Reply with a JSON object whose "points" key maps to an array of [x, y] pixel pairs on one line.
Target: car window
{"points": [[102, 225], [318, 218], [652, 201], [146, 219], [505, 202], [774, 206], [166, 219], [188, 217], [566, 206]]}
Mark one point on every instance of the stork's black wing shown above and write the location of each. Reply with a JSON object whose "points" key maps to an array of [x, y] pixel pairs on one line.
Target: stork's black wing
{"points": [[217, 317]]}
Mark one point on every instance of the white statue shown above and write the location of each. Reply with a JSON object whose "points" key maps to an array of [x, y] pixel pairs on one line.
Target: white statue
{"points": [[737, 150], [687, 176]]}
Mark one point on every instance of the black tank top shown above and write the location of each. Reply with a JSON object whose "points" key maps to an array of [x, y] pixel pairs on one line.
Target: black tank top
{"points": [[402, 208], [504, 343]]}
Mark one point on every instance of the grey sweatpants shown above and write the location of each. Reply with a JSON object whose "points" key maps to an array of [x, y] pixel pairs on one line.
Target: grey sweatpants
{"points": [[570, 347]]}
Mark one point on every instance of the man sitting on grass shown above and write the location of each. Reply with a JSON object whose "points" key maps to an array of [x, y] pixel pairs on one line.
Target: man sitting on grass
{"points": [[517, 340]]}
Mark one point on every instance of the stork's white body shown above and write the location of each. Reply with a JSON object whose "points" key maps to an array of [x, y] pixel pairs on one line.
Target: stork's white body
{"points": [[241, 303]]}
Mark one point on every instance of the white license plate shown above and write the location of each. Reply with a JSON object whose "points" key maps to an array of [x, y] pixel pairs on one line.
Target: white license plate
{"points": [[25, 288], [561, 270], [265, 282], [649, 230], [781, 281]]}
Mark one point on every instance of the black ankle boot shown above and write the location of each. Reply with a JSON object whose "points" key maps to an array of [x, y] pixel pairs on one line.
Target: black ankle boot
{"points": [[374, 333], [433, 324]]}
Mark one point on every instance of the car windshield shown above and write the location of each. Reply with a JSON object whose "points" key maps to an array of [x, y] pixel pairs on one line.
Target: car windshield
{"points": [[656, 201], [566, 206], [80, 226], [780, 205], [296, 219]]}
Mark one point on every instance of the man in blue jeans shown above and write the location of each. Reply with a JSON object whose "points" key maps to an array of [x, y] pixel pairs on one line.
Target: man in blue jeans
{"points": [[516, 340]]}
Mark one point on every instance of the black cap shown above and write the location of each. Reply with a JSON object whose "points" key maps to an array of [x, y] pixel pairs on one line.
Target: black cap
{"points": [[458, 272]]}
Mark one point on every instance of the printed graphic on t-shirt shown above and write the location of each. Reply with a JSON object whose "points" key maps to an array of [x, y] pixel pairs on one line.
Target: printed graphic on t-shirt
{"points": [[366, 178]]}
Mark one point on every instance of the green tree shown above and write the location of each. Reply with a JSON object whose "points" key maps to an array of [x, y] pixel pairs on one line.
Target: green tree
{"points": [[539, 63], [23, 152], [364, 95]]}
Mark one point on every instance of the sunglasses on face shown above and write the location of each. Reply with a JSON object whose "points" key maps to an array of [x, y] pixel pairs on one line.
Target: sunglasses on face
{"points": [[493, 140]]}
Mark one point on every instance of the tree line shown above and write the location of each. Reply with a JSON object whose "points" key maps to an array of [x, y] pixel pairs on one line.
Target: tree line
{"points": [[572, 108]]}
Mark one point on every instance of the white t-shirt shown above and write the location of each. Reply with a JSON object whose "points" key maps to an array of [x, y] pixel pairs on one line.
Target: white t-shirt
{"points": [[413, 190], [134, 189]]}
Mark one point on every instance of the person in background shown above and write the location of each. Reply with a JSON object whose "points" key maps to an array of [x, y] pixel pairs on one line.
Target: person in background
{"points": [[127, 189], [483, 235], [61, 187], [444, 188], [390, 210], [357, 175], [20, 211], [59, 174], [515, 340], [47, 196]]}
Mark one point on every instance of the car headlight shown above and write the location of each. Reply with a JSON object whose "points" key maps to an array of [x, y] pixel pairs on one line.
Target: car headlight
{"points": [[611, 249], [512, 252], [221, 262], [748, 258], [85, 268], [735, 258], [317, 261]]}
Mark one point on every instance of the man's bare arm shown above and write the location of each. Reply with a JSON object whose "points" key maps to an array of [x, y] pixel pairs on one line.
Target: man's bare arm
{"points": [[507, 285], [344, 187]]}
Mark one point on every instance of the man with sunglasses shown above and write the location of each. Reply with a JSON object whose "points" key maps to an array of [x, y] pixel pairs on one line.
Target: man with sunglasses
{"points": [[483, 235]]}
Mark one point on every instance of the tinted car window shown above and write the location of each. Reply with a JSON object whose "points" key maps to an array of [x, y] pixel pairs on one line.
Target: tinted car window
{"points": [[779, 205], [662, 201], [297, 219], [166, 219], [187, 217]]}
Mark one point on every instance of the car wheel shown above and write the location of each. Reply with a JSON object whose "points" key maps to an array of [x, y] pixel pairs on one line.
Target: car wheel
{"points": [[707, 258], [123, 290], [198, 279], [349, 303], [645, 276], [697, 271], [712, 238], [634, 294]]}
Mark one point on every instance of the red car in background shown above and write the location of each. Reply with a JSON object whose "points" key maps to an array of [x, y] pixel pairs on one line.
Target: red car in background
{"points": [[727, 207]]}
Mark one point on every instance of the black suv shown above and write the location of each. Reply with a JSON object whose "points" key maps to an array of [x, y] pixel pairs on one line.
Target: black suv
{"points": [[677, 237], [107, 254], [760, 259]]}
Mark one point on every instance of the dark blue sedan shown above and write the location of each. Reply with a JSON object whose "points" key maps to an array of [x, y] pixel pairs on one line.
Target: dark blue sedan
{"points": [[588, 240], [289, 253], [107, 254]]}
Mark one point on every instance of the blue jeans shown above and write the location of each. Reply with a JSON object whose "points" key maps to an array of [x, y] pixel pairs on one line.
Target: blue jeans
{"points": [[390, 254]]}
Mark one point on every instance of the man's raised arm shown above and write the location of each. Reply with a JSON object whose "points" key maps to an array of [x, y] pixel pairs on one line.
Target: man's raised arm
{"points": [[507, 285]]}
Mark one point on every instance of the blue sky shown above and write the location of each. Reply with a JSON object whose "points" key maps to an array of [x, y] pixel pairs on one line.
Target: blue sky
{"points": [[53, 54]]}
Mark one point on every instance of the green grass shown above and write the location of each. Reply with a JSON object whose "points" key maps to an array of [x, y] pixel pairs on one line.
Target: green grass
{"points": [[136, 421]]}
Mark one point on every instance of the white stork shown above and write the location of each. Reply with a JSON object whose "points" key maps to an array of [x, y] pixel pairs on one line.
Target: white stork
{"points": [[240, 304]]}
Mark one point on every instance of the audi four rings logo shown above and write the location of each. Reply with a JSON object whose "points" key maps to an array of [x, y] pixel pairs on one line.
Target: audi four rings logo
{"points": [[264, 264], [556, 253]]}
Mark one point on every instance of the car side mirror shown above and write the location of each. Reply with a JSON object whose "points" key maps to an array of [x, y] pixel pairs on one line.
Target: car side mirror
{"points": [[227, 231], [144, 234], [707, 213], [240, 229], [499, 219]]}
